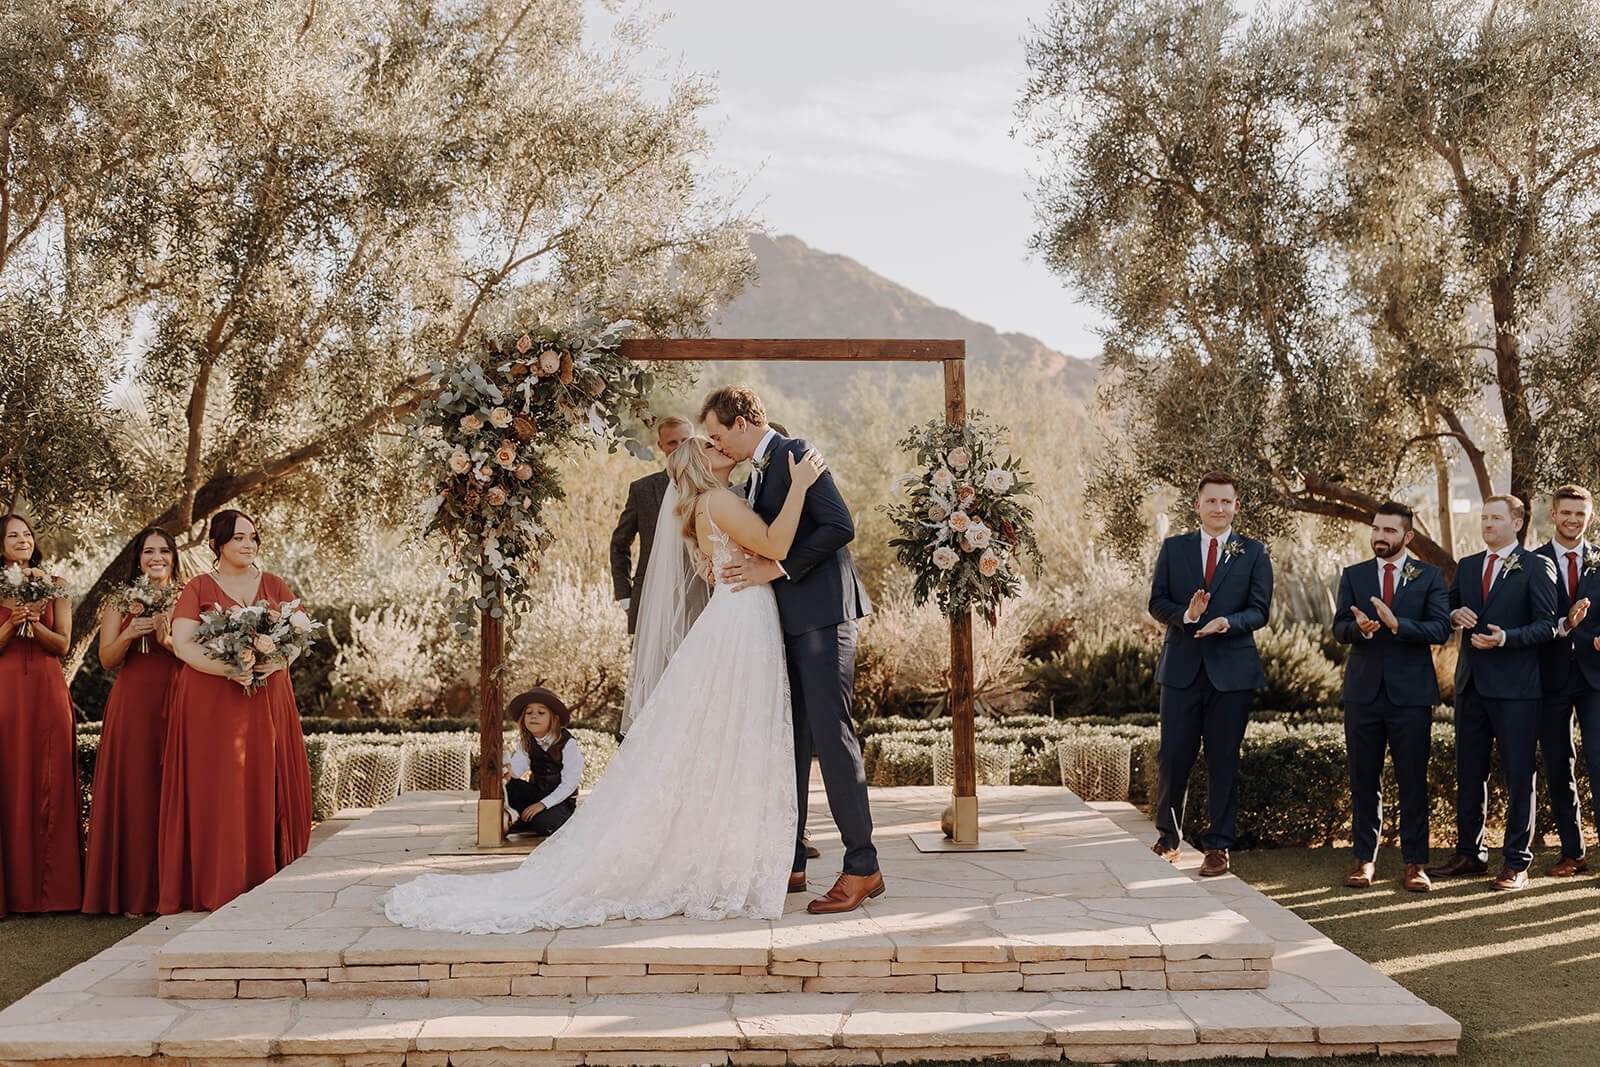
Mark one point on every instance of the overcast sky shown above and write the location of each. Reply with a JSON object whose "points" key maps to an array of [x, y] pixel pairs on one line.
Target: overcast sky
{"points": [[879, 129]]}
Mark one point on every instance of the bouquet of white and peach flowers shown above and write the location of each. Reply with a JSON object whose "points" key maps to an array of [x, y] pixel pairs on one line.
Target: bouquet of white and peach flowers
{"points": [[246, 638], [145, 597], [28, 586]]}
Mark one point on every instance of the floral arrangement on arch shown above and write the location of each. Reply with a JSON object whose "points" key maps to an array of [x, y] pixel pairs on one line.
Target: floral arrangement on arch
{"points": [[964, 520], [492, 427]]}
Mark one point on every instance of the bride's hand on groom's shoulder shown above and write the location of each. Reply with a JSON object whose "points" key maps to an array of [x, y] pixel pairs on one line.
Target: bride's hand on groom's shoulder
{"points": [[805, 471]]}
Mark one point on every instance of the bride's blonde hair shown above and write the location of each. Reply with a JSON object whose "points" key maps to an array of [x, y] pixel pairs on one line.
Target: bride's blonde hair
{"points": [[689, 471]]}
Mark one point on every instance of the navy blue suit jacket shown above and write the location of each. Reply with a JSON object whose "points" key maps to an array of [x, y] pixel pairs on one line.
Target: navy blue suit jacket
{"points": [[1556, 660], [1400, 662], [1584, 655], [823, 588], [1523, 604], [1241, 590]]}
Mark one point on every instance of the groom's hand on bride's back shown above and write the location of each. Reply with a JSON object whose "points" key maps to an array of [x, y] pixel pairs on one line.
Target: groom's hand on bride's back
{"points": [[746, 570]]}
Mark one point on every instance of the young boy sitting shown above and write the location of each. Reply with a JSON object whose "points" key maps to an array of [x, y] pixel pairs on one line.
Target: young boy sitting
{"points": [[542, 792]]}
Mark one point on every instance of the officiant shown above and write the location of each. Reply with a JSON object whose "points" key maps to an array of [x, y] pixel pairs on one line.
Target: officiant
{"points": [[638, 520]]}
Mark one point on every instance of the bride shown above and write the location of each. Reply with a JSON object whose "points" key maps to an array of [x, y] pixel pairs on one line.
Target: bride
{"points": [[695, 814]]}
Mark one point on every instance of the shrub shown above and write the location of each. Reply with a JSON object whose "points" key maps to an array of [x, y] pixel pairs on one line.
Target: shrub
{"points": [[1104, 672], [1299, 676], [574, 641], [387, 665]]}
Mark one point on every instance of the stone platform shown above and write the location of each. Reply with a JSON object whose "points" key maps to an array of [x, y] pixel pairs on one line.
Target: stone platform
{"points": [[1086, 907], [963, 920]]}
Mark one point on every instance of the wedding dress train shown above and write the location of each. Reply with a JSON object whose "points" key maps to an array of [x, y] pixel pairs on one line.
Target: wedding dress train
{"points": [[695, 815]]}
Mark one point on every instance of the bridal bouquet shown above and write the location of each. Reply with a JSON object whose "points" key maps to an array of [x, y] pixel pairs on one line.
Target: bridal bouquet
{"points": [[963, 520], [28, 585], [145, 597], [249, 637]]}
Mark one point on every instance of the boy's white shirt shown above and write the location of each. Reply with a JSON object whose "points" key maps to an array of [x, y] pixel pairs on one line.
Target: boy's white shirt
{"points": [[571, 769]]}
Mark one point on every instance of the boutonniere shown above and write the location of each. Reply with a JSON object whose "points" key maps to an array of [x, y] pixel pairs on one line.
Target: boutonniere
{"points": [[1410, 572], [1512, 565], [1591, 559], [1231, 548], [760, 465]]}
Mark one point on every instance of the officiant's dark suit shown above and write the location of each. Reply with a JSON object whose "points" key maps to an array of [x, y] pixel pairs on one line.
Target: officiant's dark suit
{"points": [[1206, 682], [819, 603], [1390, 690], [638, 519], [1498, 697]]}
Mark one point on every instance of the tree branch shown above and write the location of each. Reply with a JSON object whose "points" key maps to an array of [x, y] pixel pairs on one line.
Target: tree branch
{"points": [[1480, 469]]}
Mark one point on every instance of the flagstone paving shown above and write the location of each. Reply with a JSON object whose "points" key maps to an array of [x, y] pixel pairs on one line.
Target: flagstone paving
{"points": [[1083, 948]]}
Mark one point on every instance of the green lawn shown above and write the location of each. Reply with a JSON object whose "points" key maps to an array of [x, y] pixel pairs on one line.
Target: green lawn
{"points": [[1521, 971]]}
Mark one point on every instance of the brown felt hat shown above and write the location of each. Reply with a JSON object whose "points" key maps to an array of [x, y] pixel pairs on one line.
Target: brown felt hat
{"points": [[539, 695]]}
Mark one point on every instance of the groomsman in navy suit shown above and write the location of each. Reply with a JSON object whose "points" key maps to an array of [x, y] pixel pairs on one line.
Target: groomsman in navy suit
{"points": [[1504, 602], [1212, 589], [1571, 507], [1392, 609]]}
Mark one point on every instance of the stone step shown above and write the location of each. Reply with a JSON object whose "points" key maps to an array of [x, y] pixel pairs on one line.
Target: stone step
{"points": [[1085, 907], [810, 1029]]}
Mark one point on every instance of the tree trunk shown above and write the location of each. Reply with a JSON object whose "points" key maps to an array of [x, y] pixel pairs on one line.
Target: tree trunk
{"points": [[1441, 480]]}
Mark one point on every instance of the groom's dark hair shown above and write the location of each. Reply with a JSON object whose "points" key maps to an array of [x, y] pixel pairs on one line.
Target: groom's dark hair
{"points": [[1398, 510], [733, 401]]}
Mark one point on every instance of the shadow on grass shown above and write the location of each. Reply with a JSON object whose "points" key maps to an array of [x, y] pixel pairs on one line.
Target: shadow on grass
{"points": [[1521, 971], [36, 948]]}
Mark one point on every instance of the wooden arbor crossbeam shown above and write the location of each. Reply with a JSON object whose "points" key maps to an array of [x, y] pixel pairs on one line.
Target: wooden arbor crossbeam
{"points": [[952, 354]]}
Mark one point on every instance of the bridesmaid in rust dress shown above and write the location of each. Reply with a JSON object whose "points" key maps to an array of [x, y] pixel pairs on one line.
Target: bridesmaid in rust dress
{"points": [[39, 852], [236, 785], [120, 875]]}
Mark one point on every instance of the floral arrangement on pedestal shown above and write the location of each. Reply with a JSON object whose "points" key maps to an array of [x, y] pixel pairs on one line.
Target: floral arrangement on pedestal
{"points": [[492, 427], [964, 520]]}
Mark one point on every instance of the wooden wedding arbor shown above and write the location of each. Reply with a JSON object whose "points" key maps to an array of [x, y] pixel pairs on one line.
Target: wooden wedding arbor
{"points": [[963, 824]]}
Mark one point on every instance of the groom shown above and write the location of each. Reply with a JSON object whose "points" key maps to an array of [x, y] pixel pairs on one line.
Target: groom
{"points": [[820, 597]]}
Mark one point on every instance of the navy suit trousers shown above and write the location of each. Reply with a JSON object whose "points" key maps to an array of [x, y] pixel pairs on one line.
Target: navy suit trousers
{"points": [[1370, 729], [822, 671], [1190, 715], [1560, 752], [1483, 725]]}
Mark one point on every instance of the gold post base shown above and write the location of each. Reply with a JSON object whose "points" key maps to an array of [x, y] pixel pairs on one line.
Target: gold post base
{"points": [[490, 829], [963, 826]]}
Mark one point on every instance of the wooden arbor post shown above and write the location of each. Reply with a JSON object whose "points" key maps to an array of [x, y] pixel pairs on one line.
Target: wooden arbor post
{"points": [[952, 355], [491, 702]]}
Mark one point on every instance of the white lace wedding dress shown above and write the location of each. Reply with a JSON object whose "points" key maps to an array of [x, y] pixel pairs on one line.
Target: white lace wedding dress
{"points": [[695, 814]]}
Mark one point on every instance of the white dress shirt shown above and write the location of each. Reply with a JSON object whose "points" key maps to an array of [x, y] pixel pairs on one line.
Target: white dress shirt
{"points": [[755, 457], [571, 767], [1399, 577], [1501, 555], [1562, 552]]}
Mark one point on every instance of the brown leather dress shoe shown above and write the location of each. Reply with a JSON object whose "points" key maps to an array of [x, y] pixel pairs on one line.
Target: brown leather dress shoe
{"points": [[797, 881], [1215, 863], [1416, 879], [1360, 876], [1458, 865], [1567, 866], [848, 893], [1508, 879], [1168, 853]]}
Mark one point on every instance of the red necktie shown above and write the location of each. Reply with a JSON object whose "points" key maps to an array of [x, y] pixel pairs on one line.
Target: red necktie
{"points": [[1572, 575], [1388, 583], [1488, 575], [1211, 561]]}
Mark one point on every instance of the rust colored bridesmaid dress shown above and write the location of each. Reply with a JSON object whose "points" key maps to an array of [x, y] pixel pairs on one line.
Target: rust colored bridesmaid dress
{"points": [[125, 807], [236, 786], [40, 866]]}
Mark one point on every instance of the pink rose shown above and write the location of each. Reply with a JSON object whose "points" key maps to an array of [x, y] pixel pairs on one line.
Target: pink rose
{"points": [[264, 644], [959, 521], [937, 513], [966, 495], [506, 454], [943, 480], [960, 459], [135, 608], [944, 557], [524, 471], [247, 659], [988, 564], [549, 362], [471, 423], [978, 536], [499, 418], [484, 473], [497, 495], [460, 462]]}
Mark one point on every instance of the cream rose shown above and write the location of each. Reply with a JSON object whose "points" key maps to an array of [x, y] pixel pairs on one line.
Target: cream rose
{"points": [[506, 454], [937, 513], [988, 564], [484, 473], [959, 459], [499, 418], [497, 495], [524, 472], [549, 362], [300, 622], [959, 521], [998, 480], [471, 423], [944, 557], [264, 644], [460, 462], [943, 480], [247, 659], [978, 535]]}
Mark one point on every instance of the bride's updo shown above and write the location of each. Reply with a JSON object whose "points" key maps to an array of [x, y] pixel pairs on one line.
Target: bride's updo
{"points": [[689, 471]]}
